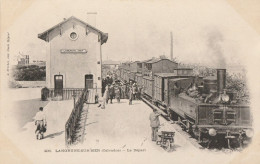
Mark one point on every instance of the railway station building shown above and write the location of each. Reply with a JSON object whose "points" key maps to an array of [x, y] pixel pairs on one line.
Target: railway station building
{"points": [[74, 55]]}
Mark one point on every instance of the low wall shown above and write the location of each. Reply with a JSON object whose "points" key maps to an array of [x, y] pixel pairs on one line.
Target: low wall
{"points": [[32, 84]]}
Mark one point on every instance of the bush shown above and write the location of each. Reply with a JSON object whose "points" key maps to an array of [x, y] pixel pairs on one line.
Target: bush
{"points": [[29, 73]]}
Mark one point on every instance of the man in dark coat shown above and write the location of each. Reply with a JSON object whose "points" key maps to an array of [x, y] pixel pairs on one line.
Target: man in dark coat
{"points": [[130, 95], [117, 92], [111, 93], [134, 91]]}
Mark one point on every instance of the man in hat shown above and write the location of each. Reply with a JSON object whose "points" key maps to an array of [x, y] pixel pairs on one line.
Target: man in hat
{"points": [[111, 93], [134, 91], [117, 93], [154, 123], [130, 94], [123, 91]]}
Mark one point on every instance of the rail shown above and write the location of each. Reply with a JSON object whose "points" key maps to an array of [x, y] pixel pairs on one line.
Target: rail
{"points": [[71, 124]]}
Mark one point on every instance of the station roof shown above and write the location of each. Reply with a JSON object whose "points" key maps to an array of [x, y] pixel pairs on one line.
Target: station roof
{"points": [[157, 60], [144, 61], [44, 35]]}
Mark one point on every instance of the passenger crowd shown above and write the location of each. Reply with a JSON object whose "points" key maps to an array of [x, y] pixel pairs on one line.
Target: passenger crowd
{"points": [[116, 89]]}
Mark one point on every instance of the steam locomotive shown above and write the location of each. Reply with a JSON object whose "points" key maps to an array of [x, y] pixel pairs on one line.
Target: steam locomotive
{"points": [[202, 105]]}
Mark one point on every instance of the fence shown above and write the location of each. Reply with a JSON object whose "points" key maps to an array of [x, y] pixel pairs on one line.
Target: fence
{"points": [[60, 94], [71, 124]]}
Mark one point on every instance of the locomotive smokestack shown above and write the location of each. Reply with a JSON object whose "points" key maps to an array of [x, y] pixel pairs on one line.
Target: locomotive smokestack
{"points": [[221, 80]]}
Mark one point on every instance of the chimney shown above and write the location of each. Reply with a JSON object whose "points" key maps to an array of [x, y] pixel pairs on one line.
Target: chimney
{"points": [[221, 80], [171, 47], [91, 18]]}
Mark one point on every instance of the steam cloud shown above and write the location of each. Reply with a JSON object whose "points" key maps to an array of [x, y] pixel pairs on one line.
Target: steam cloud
{"points": [[214, 43]]}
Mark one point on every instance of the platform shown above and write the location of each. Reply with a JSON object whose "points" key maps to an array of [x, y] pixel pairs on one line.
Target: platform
{"points": [[119, 127], [125, 126]]}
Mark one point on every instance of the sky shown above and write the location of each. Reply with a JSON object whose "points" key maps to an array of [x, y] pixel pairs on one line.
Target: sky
{"points": [[204, 31]]}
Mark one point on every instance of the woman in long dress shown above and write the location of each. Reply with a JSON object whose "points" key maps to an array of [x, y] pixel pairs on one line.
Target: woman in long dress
{"points": [[104, 98]]}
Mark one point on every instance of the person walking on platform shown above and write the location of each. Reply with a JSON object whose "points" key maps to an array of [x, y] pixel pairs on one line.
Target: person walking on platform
{"points": [[111, 93], [134, 91], [139, 91], [130, 95], [104, 98], [41, 124], [117, 93], [154, 123], [127, 90], [123, 91]]}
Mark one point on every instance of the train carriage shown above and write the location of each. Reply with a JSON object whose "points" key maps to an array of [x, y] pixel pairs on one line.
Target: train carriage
{"points": [[148, 87], [139, 79], [161, 87]]}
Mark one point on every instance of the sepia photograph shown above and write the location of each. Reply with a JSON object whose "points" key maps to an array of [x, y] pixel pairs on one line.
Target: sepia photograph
{"points": [[128, 81]]}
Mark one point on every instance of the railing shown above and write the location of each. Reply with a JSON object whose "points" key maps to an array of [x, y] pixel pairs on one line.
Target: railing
{"points": [[60, 94], [71, 124]]}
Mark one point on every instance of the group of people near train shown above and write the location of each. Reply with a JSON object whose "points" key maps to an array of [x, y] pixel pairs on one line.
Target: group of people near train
{"points": [[115, 89]]}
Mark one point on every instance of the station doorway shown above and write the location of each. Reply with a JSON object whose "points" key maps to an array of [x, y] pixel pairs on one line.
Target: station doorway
{"points": [[58, 81], [58, 85], [89, 81]]}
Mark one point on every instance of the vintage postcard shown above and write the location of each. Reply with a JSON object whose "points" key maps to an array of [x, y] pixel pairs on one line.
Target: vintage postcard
{"points": [[128, 81]]}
